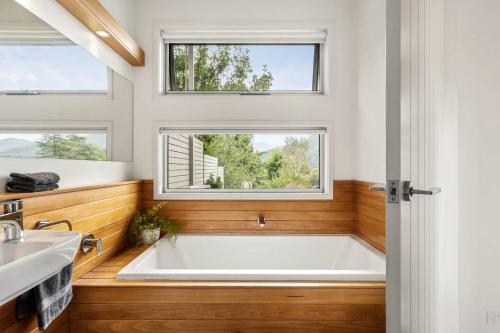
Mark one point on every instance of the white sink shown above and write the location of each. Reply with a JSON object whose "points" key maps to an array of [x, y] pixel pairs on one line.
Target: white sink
{"points": [[42, 253]]}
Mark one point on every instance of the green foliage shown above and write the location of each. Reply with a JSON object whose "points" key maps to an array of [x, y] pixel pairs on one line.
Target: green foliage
{"points": [[286, 167], [296, 152], [214, 182], [72, 147], [219, 68], [275, 163], [238, 157], [149, 220]]}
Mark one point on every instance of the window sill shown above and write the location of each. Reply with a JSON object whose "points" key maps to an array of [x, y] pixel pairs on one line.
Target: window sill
{"points": [[243, 196]]}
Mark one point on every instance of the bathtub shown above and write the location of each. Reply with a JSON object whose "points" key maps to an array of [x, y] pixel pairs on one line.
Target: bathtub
{"points": [[258, 257]]}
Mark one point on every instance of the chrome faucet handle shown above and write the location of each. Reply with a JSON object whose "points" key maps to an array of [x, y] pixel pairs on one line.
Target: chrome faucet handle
{"points": [[11, 217], [89, 242]]}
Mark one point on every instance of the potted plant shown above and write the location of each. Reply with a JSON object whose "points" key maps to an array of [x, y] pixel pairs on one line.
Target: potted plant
{"points": [[146, 227]]}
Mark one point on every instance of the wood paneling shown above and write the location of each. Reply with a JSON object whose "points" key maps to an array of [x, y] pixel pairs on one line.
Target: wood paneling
{"points": [[95, 17], [224, 326], [369, 215], [317, 217], [104, 210], [104, 304], [9, 323]]}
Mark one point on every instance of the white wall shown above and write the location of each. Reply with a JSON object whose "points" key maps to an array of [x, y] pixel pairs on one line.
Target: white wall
{"points": [[123, 11], [71, 172], [115, 108], [478, 85], [369, 122], [338, 106]]}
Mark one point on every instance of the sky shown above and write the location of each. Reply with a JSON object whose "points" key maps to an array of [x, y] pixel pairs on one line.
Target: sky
{"points": [[265, 142], [39, 67], [290, 65], [98, 139], [70, 67]]}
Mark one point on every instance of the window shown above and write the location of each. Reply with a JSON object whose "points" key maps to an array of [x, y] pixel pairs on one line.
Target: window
{"points": [[237, 162], [57, 143], [242, 61], [38, 68]]}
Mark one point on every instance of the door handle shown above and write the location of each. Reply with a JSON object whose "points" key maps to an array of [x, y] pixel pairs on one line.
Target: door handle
{"points": [[409, 191], [432, 191]]}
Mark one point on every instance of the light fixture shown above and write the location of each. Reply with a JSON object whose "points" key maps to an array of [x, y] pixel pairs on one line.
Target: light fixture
{"points": [[102, 33]]}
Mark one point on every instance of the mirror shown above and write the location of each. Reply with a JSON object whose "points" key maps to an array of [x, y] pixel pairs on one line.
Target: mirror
{"points": [[56, 99]]}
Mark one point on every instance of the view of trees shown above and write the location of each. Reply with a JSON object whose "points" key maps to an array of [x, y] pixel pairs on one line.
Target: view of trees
{"points": [[289, 166], [228, 67], [73, 147], [220, 67]]}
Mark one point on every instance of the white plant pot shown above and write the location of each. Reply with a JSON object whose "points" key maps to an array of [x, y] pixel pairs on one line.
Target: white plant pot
{"points": [[151, 236]]}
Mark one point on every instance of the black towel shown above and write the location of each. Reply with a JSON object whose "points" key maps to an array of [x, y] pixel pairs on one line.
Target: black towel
{"points": [[32, 182], [37, 178], [47, 300], [19, 187]]}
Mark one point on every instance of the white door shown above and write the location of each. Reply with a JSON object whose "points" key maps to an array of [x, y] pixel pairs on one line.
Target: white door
{"points": [[415, 53]]}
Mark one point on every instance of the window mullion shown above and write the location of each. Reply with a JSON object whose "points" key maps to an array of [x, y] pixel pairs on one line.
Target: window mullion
{"points": [[190, 65]]}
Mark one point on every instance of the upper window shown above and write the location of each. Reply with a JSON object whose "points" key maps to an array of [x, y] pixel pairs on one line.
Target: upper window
{"points": [[39, 68], [244, 61], [243, 67]]}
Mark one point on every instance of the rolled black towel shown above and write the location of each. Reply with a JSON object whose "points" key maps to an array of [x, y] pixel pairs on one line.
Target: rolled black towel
{"points": [[16, 187], [37, 178]]}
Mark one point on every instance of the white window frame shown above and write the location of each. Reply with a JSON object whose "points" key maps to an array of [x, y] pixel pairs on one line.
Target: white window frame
{"points": [[326, 164], [170, 34], [62, 127]]}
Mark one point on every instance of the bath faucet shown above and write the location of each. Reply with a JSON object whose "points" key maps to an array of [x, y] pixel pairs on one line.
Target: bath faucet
{"points": [[11, 217], [261, 220]]}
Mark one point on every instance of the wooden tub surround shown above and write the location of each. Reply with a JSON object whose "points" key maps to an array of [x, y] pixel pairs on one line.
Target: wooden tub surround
{"points": [[103, 304]]}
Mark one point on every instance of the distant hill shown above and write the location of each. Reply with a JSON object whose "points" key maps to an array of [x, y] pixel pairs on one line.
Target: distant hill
{"points": [[313, 158], [17, 148]]}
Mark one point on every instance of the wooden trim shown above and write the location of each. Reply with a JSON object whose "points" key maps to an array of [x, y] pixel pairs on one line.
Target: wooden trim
{"points": [[369, 215], [95, 17], [284, 216], [10, 196]]}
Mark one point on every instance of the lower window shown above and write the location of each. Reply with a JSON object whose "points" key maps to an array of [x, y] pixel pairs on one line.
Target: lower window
{"points": [[56, 143], [230, 162]]}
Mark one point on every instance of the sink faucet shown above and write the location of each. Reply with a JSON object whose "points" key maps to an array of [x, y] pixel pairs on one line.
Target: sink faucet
{"points": [[12, 231], [45, 223], [11, 217]]}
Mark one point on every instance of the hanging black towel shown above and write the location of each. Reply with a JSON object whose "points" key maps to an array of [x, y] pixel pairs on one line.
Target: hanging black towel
{"points": [[47, 300]]}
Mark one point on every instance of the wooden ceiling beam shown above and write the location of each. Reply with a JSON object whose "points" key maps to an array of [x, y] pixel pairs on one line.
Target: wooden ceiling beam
{"points": [[96, 18]]}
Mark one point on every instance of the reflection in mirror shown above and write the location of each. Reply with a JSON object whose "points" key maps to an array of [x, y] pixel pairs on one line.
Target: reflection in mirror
{"points": [[57, 100]]}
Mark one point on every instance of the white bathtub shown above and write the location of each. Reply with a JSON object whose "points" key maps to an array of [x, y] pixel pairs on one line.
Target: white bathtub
{"points": [[259, 257]]}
